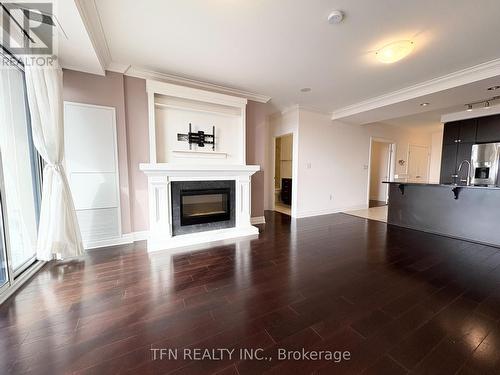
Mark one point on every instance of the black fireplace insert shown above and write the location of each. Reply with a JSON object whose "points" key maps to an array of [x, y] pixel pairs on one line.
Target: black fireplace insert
{"points": [[199, 206], [205, 206]]}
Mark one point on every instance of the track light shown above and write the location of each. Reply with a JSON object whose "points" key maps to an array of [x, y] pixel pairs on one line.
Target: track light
{"points": [[487, 105], [469, 107]]}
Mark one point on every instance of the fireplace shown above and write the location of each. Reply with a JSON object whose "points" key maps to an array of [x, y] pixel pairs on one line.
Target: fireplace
{"points": [[205, 206], [199, 206]]}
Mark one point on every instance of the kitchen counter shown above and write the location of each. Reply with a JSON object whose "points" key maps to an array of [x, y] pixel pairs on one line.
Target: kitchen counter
{"points": [[409, 182], [466, 212]]}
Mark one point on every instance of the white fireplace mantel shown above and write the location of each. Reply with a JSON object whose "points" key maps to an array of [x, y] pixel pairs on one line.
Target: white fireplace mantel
{"points": [[180, 170], [172, 108], [160, 175]]}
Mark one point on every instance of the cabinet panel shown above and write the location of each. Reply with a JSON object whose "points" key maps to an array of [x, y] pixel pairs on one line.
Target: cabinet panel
{"points": [[451, 133], [488, 129], [467, 130], [464, 152], [448, 163]]}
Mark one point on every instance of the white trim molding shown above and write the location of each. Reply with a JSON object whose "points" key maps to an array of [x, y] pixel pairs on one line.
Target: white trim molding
{"points": [[137, 72], [257, 220], [125, 239], [92, 21], [329, 211], [462, 77], [463, 115]]}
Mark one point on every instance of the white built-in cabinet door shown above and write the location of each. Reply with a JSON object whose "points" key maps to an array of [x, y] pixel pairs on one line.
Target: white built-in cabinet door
{"points": [[91, 159]]}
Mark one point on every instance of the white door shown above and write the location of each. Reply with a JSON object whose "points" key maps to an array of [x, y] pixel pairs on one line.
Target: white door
{"points": [[418, 163], [91, 159]]}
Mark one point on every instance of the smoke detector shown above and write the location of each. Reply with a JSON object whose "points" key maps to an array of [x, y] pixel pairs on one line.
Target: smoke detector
{"points": [[335, 17]]}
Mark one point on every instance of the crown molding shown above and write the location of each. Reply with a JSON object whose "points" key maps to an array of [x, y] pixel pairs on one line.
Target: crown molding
{"points": [[462, 77], [183, 81], [117, 67], [92, 22]]}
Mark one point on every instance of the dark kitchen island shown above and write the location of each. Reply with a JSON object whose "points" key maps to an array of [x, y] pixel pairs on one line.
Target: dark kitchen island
{"points": [[466, 212]]}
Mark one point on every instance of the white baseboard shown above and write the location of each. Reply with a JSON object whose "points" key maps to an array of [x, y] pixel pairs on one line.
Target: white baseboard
{"points": [[140, 236], [129, 238], [258, 220], [125, 239], [329, 211]]}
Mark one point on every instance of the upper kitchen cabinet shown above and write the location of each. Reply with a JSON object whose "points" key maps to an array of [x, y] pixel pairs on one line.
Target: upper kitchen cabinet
{"points": [[460, 132], [451, 133], [488, 129]]}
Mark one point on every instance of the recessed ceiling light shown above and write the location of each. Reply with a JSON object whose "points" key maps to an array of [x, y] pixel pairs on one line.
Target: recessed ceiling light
{"points": [[305, 89], [493, 88], [395, 51], [424, 104], [469, 108]]}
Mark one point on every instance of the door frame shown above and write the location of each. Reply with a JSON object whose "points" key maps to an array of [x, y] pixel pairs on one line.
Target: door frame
{"points": [[428, 158], [14, 282], [391, 164], [273, 165]]}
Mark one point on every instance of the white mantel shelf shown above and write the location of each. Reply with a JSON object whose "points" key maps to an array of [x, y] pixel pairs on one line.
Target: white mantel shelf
{"points": [[180, 170]]}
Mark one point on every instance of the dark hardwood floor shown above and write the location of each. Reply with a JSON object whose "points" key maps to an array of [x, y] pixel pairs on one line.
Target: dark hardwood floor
{"points": [[400, 301]]}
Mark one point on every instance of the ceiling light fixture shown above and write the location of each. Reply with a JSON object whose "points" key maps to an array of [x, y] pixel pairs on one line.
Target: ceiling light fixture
{"points": [[335, 16], [424, 104], [493, 88], [306, 89], [395, 51], [486, 103]]}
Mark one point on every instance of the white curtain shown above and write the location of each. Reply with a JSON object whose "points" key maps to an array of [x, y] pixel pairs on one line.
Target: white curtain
{"points": [[58, 234]]}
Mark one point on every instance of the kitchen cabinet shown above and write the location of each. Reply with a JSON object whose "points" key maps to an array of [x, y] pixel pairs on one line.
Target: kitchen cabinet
{"points": [[460, 132], [448, 163], [458, 139], [451, 134], [488, 129], [451, 158], [464, 152]]}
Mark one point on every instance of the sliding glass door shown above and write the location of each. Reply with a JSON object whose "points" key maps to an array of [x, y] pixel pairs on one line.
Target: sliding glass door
{"points": [[20, 185], [3, 256]]}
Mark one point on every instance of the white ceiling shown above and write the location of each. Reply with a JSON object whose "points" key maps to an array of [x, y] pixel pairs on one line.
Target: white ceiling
{"points": [[429, 121], [277, 47], [75, 49]]}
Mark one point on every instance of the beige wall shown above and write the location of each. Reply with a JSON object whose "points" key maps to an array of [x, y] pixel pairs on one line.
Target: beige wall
{"points": [[330, 165], [436, 150], [136, 112], [286, 156], [256, 150], [128, 96]]}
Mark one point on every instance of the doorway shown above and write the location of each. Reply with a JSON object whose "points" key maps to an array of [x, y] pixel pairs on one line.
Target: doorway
{"points": [[283, 162], [380, 171]]}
